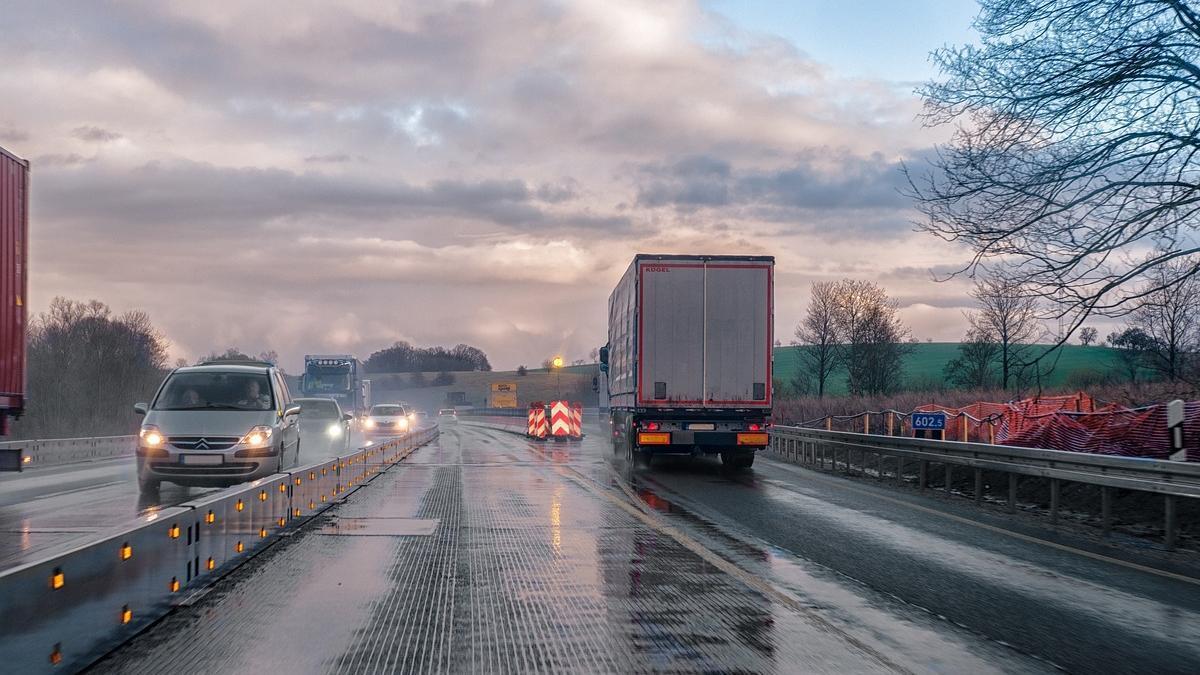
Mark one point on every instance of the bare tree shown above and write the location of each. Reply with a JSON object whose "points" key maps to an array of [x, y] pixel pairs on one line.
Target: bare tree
{"points": [[975, 365], [868, 323], [821, 352], [1075, 147], [1008, 315], [1168, 316], [1087, 335]]}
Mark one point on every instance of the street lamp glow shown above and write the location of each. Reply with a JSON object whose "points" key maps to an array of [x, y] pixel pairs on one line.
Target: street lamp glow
{"points": [[558, 362]]}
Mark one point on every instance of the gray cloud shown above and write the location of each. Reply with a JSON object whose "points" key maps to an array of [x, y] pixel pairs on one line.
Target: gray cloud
{"points": [[332, 158], [93, 134], [817, 181], [13, 135]]}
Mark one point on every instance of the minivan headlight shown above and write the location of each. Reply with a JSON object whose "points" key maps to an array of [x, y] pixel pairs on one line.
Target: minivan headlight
{"points": [[151, 437], [257, 437]]}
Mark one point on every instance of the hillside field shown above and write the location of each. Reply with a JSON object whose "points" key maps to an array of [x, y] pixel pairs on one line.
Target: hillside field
{"points": [[928, 360]]}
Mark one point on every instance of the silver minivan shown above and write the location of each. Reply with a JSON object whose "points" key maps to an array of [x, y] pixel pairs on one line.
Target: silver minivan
{"points": [[218, 424]]}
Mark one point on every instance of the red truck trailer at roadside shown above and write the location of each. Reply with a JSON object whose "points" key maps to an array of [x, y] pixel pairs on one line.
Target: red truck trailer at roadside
{"points": [[14, 269]]}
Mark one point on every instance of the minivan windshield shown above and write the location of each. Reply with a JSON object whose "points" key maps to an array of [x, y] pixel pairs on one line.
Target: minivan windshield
{"points": [[215, 390], [387, 410], [317, 409]]}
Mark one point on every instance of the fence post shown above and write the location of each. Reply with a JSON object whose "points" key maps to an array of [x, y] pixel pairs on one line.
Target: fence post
{"points": [[828, 423], [965, 429], [889, 420], [991, 432], [866, 423], [899, 468]]}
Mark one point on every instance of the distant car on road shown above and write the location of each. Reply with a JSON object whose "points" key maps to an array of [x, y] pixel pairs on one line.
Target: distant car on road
{"points": [[388, 419], [448, 415], [323, 425], [217, 424]]}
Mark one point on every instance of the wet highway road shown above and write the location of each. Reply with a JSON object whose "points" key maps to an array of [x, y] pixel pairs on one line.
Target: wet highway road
{"points": [[47, 509], [487, 552]]}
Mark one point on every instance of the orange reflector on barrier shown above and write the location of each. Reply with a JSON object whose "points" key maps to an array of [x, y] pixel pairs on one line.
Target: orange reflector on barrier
{"points": [[174, 585], [262, 495], [240, 505], [262, 533], [752, 439], [126, 551], [283, 487], [173, 532], [126, 614], [56, 655], [210, 518], [57, 579], [239, 547], [654, 438], [212, 564]]}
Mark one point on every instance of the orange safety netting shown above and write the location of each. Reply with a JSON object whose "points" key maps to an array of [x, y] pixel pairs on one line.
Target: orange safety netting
{"points": [[1072, 423]]}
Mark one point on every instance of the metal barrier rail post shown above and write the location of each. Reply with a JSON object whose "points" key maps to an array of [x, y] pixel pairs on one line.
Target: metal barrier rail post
{"points": [[1173, 480]]}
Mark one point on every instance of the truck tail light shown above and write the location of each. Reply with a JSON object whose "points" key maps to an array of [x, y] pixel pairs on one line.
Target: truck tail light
{"points": [[754, 426], [651, 426]]}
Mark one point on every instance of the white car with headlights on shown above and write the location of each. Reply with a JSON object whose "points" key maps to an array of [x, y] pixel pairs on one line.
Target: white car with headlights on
{"points": [[324, 427], [388, 419], [218, 424]]}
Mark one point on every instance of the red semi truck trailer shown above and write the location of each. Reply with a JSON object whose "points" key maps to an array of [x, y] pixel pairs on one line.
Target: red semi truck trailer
{"points": [[689, 357], [14, 268]]}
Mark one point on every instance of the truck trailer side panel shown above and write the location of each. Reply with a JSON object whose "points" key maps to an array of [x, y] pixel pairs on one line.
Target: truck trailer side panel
{"points": [[14, 255]]}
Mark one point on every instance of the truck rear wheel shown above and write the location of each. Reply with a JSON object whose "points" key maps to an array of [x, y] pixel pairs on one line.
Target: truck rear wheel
{"points": [[737, 461]]}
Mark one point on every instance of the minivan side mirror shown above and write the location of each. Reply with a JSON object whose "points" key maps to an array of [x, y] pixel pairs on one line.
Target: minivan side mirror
{"points": [[140, 408], [293, 409]]}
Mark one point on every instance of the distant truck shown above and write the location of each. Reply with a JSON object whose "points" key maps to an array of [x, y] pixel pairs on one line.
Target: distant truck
{"points": [[688, 358], [14, 272], [335, 376]]}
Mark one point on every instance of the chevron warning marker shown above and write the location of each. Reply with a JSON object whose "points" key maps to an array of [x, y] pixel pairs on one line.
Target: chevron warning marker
{"points": [[560, 419]]}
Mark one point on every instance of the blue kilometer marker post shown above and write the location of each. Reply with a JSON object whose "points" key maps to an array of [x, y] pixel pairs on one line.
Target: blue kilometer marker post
{"points": [[929, 421]]}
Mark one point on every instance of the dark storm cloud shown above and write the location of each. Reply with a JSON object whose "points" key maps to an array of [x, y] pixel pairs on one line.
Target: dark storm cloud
{"points": [[93, 134], [816, 181]]}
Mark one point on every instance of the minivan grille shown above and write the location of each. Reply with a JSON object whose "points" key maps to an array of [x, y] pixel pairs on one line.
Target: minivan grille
{"points": [[203, 442]]}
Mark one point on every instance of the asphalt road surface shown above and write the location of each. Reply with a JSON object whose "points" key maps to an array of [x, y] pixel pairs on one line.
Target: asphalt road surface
{"points": [[488, 552]]}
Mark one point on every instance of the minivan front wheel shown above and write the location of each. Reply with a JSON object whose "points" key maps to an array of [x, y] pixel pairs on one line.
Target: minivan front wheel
{"points": [[148, 485]]}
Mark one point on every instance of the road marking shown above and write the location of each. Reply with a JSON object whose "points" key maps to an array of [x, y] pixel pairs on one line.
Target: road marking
{"points": [[635, 509], [993, 528]]}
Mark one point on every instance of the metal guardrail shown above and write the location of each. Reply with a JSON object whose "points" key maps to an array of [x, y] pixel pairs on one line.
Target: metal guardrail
{"points": [[834, 449], [58, 451], [64, 611]]}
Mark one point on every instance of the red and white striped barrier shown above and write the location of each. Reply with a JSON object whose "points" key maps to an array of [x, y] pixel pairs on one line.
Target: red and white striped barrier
{"points": [[577, 420], [537, 420], [560, 419]]}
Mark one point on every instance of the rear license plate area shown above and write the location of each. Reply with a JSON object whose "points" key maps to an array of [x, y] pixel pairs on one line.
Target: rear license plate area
{"points": [[702, 427]]}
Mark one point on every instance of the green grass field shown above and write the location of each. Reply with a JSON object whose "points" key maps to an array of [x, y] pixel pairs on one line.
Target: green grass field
{"points": [[927, 362]]}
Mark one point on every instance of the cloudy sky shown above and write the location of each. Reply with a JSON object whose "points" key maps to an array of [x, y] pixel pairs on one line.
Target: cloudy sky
{"points": [[304, 178]]}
